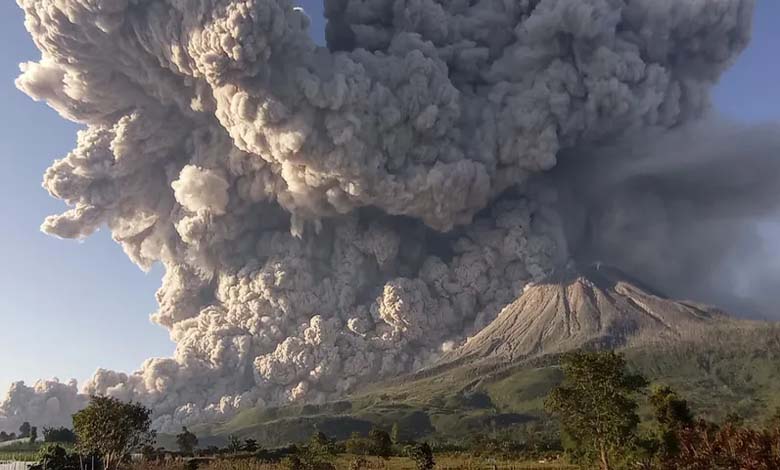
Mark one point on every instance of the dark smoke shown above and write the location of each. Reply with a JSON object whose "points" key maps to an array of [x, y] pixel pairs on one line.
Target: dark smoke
{"points": [[680, 210]]}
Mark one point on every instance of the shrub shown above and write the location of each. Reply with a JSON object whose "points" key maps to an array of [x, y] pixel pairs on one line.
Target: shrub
{"points": [[422, 456]]}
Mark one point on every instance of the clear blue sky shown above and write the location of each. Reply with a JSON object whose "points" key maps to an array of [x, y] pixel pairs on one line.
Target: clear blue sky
{"points": [[67, 308]]}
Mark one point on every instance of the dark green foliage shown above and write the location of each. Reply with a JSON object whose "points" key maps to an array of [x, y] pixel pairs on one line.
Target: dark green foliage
{"points": [[381, 444], [56, 457], [24, 430], [112, 429], [33, 434], [62, 435], [358, 445], [250, 445], [422, 455], [672, 414], [596, 405], [234, 444], [186, 441], [315, 456], [321, 446]]}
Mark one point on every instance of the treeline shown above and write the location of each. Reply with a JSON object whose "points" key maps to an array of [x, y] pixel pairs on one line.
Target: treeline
{"points": [[30, 433]]}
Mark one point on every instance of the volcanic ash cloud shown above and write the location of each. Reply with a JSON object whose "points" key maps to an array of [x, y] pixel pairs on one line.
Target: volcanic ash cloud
{"points": [[328, 216]]}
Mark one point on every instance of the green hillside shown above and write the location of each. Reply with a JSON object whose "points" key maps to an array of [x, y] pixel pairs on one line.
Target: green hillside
{"points": [[723, 371]]}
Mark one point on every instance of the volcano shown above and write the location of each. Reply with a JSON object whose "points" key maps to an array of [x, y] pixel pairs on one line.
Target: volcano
{"points": [[500, 377], [596, 307]]}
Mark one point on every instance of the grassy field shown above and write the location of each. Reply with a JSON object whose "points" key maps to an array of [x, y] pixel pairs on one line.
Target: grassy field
{"points": [[20, 451]]}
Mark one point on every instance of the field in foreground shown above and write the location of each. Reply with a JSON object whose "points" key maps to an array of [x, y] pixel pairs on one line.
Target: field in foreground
{"points": [[19, 451], [344, 461]]}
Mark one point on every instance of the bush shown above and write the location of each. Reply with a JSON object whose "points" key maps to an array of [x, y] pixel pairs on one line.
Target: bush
{"points": [[55, 457], [381, 444], [358, 445], [422, 456], [63, 435]]}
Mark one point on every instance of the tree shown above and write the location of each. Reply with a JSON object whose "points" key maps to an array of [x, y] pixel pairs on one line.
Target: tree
{"points": [[33, 434], [672, 414], [24, 430], [112, 429], [234, 444], [250, 445], [381, 445], [320, 445], [357, 445], [395, 433], [62, 435], [595, 404], [422, 456], [56, 457], [186, 441]]}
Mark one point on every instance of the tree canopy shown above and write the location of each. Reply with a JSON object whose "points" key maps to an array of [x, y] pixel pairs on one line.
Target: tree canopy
{"points": [[112, 429], [595, 404]]}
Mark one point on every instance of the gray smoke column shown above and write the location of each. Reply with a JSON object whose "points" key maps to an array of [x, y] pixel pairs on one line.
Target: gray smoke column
{"points": [[327, 216], [680, 209]]}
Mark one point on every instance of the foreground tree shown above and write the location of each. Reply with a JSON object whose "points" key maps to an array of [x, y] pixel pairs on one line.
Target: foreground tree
{"points": [[112, 429], [381, 444], [595, 405], [672, 415], [186, 441], [422, 455]]}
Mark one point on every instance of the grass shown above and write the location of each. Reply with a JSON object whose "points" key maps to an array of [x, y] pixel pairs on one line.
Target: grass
{"points": [[23, 451], [19, 451]]}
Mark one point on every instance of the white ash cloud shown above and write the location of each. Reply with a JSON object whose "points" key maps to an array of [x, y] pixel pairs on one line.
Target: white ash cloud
{"points": [[49, 402], [328, 216]]}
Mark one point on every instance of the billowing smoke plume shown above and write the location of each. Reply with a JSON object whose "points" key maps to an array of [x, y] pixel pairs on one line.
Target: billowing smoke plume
{"points": [[680, 209], [332, 215]]}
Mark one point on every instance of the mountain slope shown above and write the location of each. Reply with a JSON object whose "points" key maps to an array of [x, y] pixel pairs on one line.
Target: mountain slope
{"points": [[596, 307], [500, 377]]}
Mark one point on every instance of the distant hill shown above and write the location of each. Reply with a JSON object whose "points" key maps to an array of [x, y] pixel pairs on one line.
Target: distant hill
{"points": [[499, 378]]}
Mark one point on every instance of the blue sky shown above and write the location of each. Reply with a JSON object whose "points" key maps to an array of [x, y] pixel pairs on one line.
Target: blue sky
{"points": [[67, 308]]}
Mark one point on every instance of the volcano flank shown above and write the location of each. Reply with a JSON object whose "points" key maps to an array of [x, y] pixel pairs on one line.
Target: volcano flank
{"points": [[592, 307]]}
